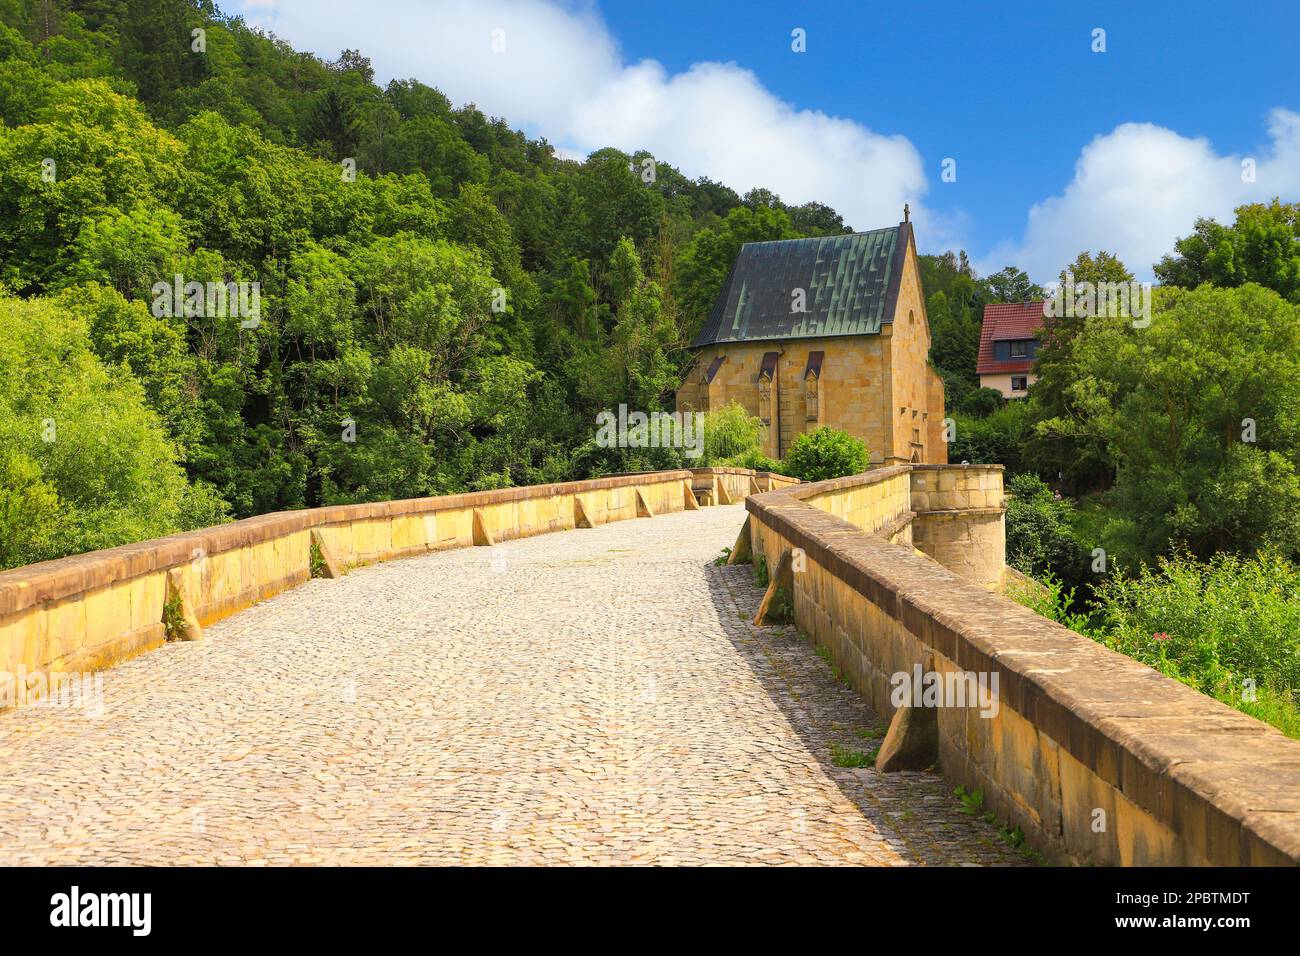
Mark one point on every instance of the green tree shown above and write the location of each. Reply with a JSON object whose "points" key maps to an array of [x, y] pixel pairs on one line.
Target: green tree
{"points": [[102, 153], [1011, 285], [703, 265], [87, 463], [1261, 246], [731, 435], [955, 308], [1199, 413], [1060, 444], [825, 453]]}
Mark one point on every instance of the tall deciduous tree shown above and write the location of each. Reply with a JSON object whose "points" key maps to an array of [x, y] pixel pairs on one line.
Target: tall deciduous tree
{"points": [[1261, 246]]}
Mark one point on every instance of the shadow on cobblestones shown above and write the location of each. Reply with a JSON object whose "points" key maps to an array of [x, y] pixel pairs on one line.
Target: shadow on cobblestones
{"points": [[915, 814]]}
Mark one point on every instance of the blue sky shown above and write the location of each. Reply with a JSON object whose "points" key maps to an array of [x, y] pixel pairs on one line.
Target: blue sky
{"points": [[1057, 148], [1012, 96]]}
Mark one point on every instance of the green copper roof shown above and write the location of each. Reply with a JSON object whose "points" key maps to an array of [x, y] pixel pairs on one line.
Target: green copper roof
{"points": [[848, 283]]}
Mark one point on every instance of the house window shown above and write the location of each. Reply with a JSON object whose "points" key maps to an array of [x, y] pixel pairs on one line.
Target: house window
{"points": [[1019, 383], [1019, 349]]}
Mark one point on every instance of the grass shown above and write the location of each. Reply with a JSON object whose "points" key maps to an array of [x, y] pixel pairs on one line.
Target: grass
{"points": [[317, 561], [972, 804], [782, 609], [1227, 627], [848, 757], [825, 655], [723, 558], [173, 618], [760, 570]]}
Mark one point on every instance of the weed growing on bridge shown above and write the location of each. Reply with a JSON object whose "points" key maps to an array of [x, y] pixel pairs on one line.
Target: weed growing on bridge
{"points": [[317, 561], [723, 558], [781, 610], [825, 655], [972, 804], [760, 570], [847, 757], [1015, 838], [173, 617]]}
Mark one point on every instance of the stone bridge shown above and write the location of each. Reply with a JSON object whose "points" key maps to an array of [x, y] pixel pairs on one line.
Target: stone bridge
{"points": [[544, 678]]}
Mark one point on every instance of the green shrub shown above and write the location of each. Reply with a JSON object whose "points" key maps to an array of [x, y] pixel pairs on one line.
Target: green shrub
{"points": [[755, 460], [982, 402], [1228, 627], [1040, 533], [1214, 625], [997, 439], [1047, 596], [731, 432], [825, 453]]}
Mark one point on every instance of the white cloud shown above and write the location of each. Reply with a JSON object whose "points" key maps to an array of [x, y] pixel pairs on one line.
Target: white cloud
{"points": [[1139, 187], [561, 75], [549, 56], [718, 120]]}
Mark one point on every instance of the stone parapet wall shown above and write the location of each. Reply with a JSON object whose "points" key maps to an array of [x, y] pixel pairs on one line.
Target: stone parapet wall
{"points": [[87, 612], [947, 487], [1097, 758], [868, 506], [711, 484]]}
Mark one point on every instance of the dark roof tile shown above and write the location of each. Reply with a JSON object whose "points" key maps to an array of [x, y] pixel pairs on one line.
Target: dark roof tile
{"points": [[846, 281]]}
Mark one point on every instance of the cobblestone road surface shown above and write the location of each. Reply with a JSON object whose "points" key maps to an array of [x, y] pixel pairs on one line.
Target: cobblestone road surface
{"points": [[592, 697]]}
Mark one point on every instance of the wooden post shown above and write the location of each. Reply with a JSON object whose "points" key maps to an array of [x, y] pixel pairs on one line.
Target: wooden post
{"points": [[189, 629]]}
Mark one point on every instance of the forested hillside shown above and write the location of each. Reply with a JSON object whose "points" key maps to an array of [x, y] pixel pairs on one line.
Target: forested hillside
{"points": [[444, 304]]}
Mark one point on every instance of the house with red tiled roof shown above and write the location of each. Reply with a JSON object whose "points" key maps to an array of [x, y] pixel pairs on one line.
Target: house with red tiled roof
{"points": [[1008, 346]]}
